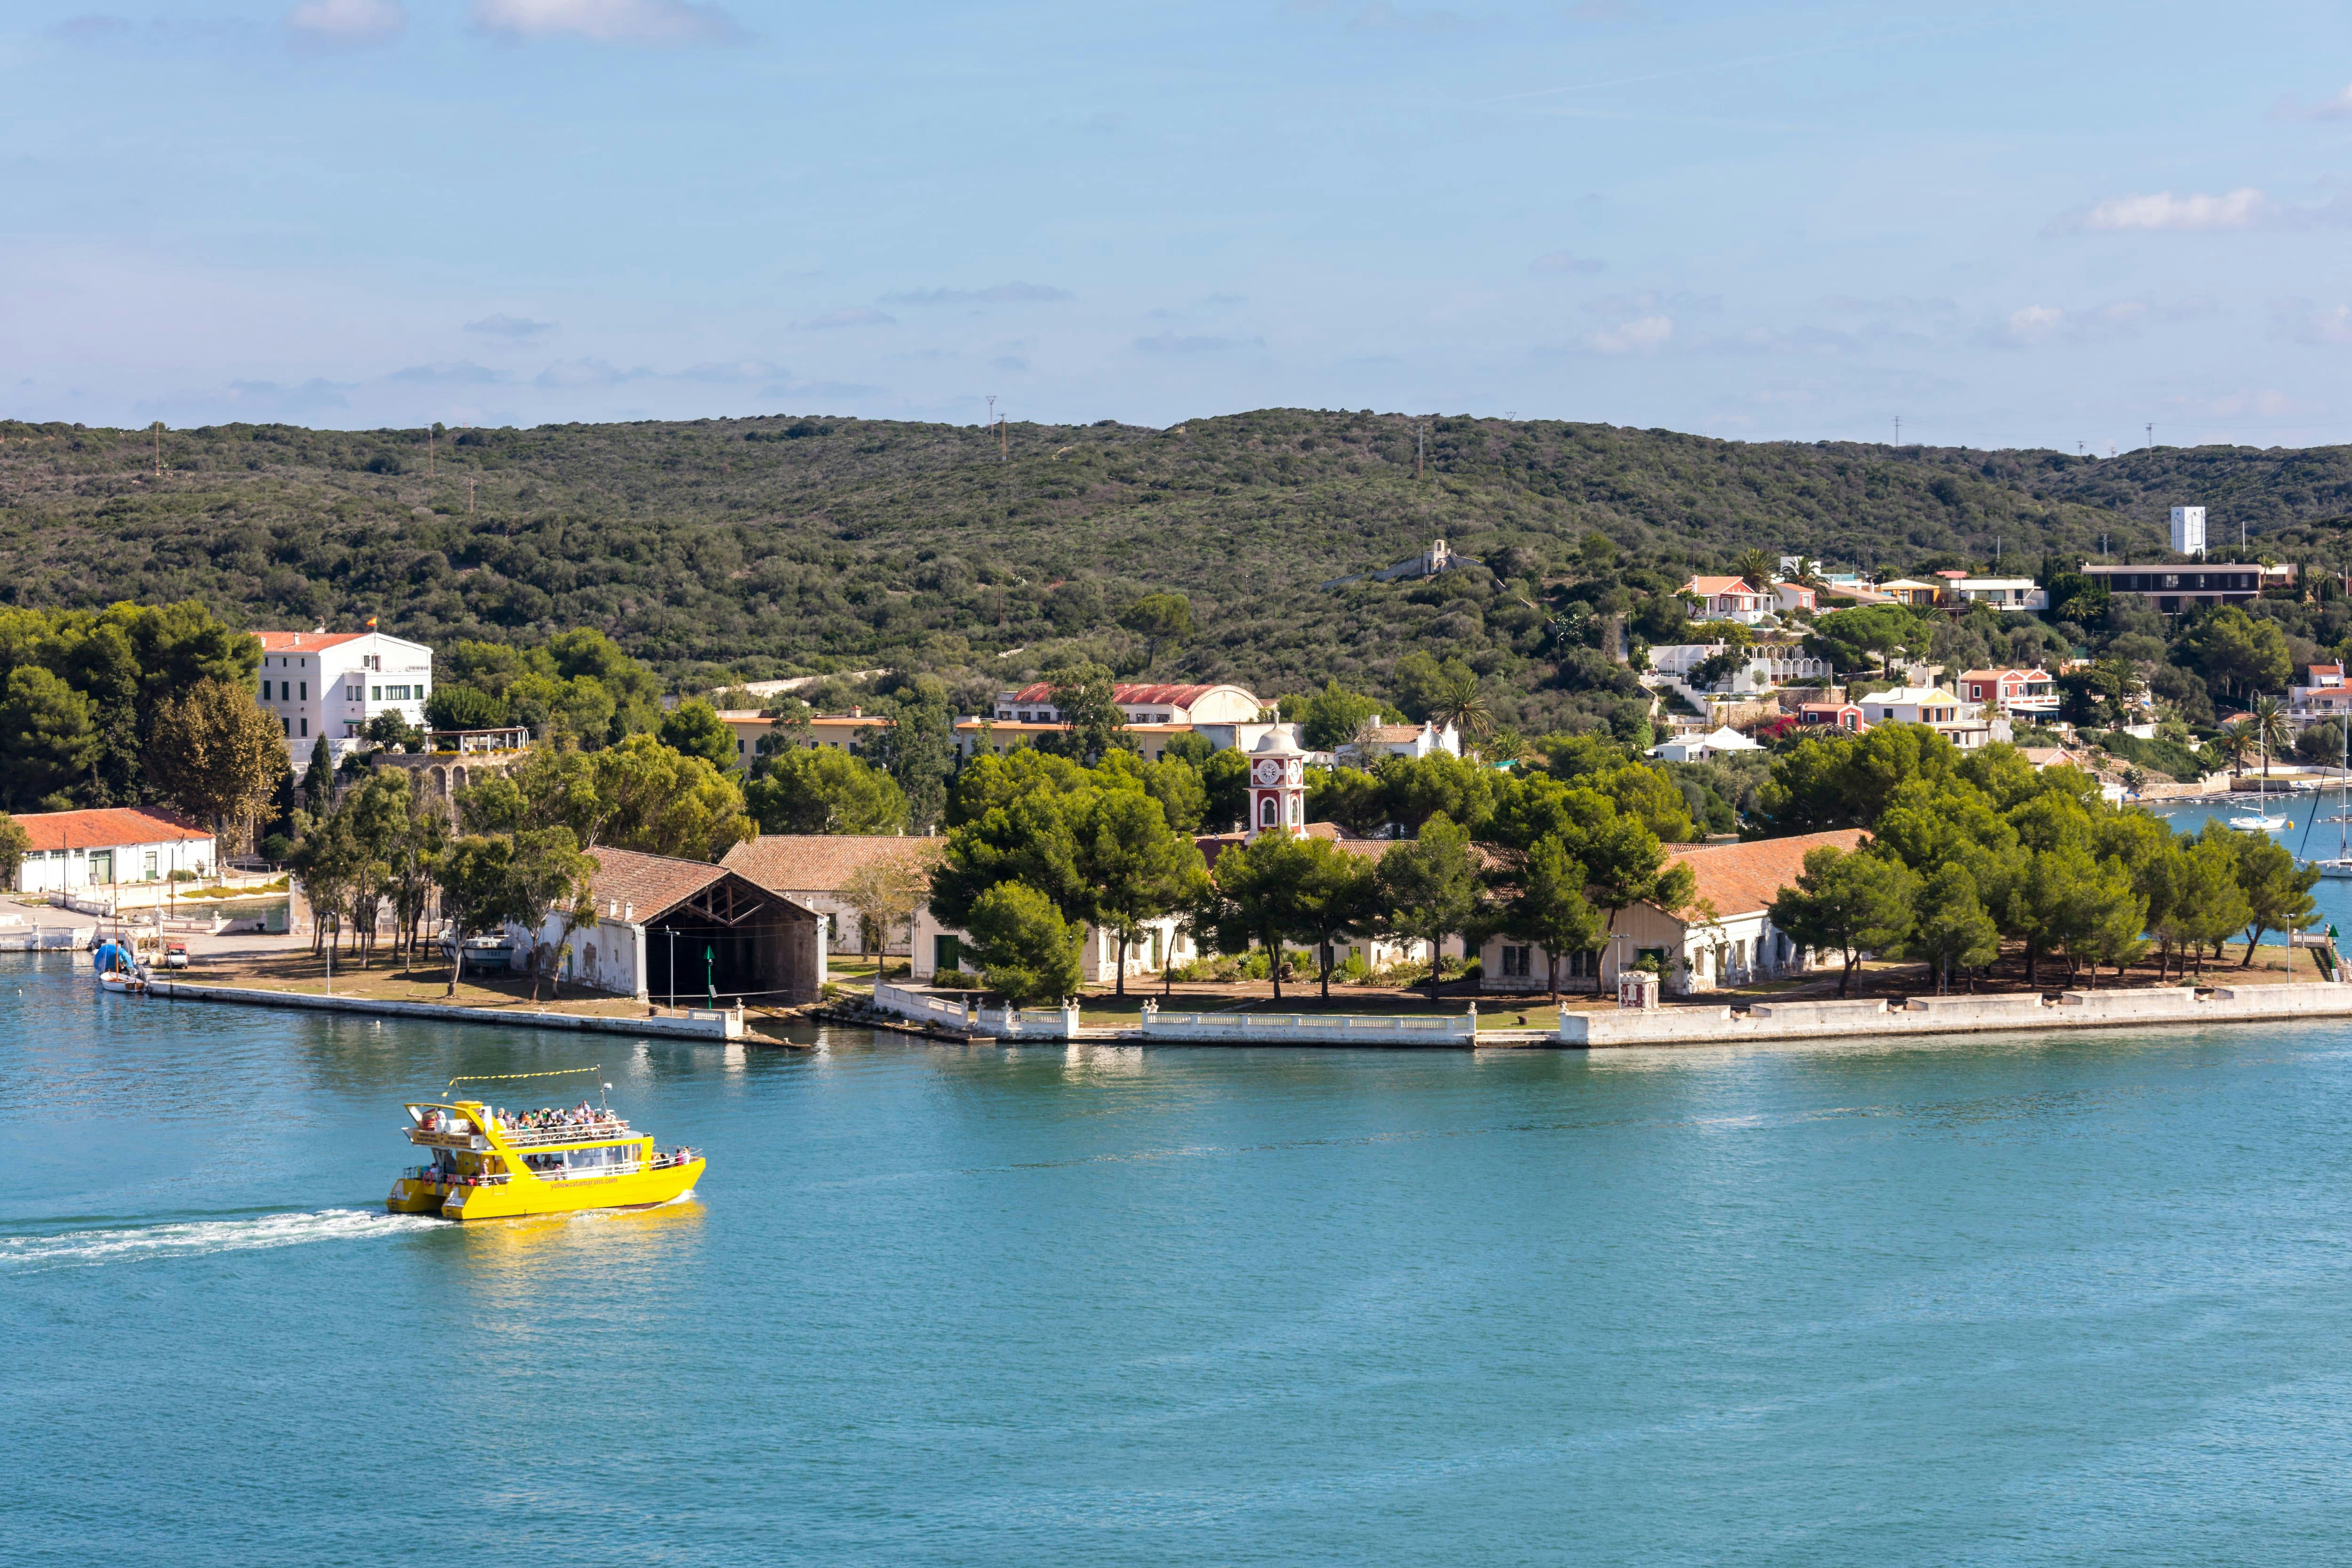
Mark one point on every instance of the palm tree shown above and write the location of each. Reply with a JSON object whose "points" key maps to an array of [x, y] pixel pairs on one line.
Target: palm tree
{"points": [[2234, 744], [1458, 701], [1757, 567], [2271, 729]]}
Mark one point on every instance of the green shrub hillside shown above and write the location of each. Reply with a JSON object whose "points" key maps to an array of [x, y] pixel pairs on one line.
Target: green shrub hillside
{"points": [[799, 545]]}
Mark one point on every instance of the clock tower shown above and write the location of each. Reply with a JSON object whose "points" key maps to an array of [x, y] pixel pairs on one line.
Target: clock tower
{"points": [[1277, 783]]}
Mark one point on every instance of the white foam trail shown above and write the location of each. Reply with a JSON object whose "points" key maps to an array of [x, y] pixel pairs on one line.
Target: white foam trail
{"points": [[197, 1239]]}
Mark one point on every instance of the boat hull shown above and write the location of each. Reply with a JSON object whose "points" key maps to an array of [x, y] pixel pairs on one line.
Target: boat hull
{"points": [[525, 1194]]}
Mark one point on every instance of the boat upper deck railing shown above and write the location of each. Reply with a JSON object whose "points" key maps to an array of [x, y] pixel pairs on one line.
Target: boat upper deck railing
{"points": [[454, 1134], [600, 1131]]}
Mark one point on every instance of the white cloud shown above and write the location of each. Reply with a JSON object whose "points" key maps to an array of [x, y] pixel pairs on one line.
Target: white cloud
{"points": [[2339, 107], [2312, 324], [347, 23], [2034, 323], [607, 21], [2241, 208], [1644, 334], [519, 328]]}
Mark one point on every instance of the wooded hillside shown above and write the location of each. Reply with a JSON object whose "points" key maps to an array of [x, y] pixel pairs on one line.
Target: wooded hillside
{"points": [[771, 546]]}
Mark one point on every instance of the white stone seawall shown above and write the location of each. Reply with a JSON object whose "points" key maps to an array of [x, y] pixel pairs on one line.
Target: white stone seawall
{"points": [[1952, 1016], [698, 1025]]}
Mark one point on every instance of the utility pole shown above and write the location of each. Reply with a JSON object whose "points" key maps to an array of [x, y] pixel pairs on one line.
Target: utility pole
{"points": [[2151, 436], [428, 454], [1898, 430], [1421, 450], [159, 449]]}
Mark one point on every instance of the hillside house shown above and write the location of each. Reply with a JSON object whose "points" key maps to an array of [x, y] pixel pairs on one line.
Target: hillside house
{"points": [[1399, 741], [1726, 938], [1831, 715], [2009, 593], [1916, 594], [1698, 748], [1962, 723], [853, 732], [336, 683], [1728, 599], [2030, 693], [2170, 590], [2323, 695], [70, 850]]}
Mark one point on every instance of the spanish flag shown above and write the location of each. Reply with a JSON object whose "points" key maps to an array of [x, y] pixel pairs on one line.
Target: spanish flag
{"points": [[371, 623]]}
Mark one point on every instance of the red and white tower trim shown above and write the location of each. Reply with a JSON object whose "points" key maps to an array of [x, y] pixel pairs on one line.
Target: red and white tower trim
{"points": [[1277, 783]]}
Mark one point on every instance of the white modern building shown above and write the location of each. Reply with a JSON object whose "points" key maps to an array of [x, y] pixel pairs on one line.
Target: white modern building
{"points": [[1698, 748], [2189, 531], [73, 849], [335, 684], [2001, 593]]}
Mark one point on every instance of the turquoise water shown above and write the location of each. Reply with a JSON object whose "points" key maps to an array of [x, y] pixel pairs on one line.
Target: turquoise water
{"points": [[2309, 834], [2073, 1301]]}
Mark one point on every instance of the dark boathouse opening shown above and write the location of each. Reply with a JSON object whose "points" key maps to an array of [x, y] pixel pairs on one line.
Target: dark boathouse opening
{"points": [[712, 934]]}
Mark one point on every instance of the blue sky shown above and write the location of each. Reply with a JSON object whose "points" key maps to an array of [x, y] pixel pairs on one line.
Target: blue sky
{"points": [[2007, 226]]}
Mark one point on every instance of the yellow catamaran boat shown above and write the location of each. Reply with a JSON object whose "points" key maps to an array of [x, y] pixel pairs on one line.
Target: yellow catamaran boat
{"points": [[490, 1164]]}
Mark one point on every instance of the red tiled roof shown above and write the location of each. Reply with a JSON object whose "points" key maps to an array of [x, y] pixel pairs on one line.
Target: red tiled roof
{"points": [[304, 642], [1710, 586], [104, 829], [1742, 878], [652, 882], [1139, 695], [823, 863]]}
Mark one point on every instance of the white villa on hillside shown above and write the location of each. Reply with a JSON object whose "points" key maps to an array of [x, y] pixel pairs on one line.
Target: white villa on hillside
{"points": [[2001, 593], [1379, 741], [334, 683], [1728, 599], [2028, 692], [1962, 723]]}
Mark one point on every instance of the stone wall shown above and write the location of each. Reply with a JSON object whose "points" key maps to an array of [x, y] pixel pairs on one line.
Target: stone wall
{"points": [[1952, 1015]]}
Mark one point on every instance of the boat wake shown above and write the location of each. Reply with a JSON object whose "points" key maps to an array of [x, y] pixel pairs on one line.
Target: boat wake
{"points": [[197, 1239]]}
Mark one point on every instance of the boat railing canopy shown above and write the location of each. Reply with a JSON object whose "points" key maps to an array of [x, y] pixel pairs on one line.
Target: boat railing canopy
{"points": [[614, 1130]]}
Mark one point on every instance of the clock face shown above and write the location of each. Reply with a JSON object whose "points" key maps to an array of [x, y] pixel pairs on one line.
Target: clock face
{"points": [[1269, 772]]}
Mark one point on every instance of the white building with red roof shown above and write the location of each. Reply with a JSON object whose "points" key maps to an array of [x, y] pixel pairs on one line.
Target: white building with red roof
{"points": [[2324, 695], [335, 684], [1724, 937], [1143, 704], [71, 849], [2029, 692], [1728, 599]]}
